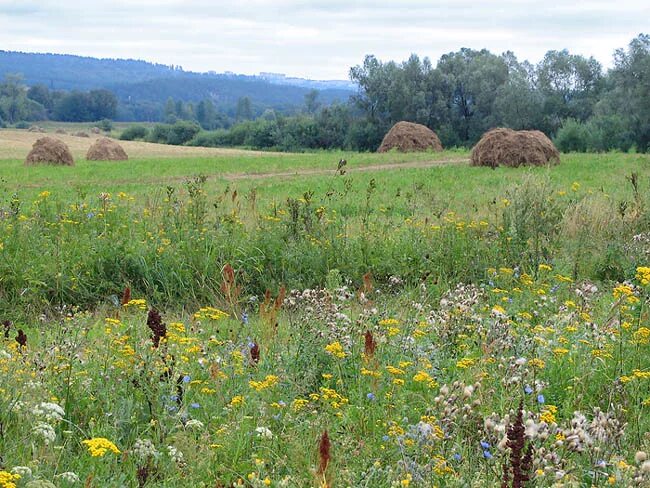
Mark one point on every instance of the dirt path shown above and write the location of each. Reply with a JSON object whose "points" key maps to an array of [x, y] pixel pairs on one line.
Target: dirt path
{"points": [[350, 169]]}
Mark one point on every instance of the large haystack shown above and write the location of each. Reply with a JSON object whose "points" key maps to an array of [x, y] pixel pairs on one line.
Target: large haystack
{"points": [[410, 137], [105, 149], [48, 150], [514, 148]]}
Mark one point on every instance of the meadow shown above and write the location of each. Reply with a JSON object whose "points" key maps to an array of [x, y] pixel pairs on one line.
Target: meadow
{"points": [[234, 318]]}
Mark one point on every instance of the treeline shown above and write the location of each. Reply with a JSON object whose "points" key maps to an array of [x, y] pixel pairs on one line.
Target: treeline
{"points": [[567, 96], [19, 103]]}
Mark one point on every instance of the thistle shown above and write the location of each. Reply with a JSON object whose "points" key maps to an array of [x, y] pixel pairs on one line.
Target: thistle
{"points": [[158, 328]]}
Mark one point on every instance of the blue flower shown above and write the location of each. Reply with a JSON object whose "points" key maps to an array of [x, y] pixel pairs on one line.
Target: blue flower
{"points": [[485, 445], [540, 398], [487, 454], [528, 390], [186, 378], [385, 438], [244, 318], [371, 396], [457, 457], [195, 405]]}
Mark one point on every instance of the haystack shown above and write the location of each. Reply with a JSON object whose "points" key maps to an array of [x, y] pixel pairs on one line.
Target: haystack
{"points": [[81, 134], [48, 150], [514, 148], [95, 130], [410, 137], [105, 149], [61, 131], [36, 128]]}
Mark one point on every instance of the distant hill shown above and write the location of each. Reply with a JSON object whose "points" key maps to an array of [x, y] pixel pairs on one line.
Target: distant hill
{"points": [[138, 81]]}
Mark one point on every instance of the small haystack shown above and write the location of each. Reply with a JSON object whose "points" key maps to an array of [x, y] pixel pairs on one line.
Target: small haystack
{"points": [[106, 149], [95, 130], [410, 137], [514, 148], [61, 131], [48, 150], [81, 134], [36, 128]]}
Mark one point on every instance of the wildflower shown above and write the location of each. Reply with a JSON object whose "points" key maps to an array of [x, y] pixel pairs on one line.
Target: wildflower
{"points": [[98, 446], [158, 328], [371, 396], [324, 453], [49, 412], [335, 349], [7, 480], [46, 431], [540, 398], [264, 433], [22, 471], [176, 455], [144, 449], [268, 382], [643, 275], [465, 363], [194, 424], [69, 477]]}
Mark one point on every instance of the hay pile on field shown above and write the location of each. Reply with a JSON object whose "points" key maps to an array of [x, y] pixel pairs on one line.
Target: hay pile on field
{"points": [[410, 137], [61, 131], [48, 150], [95, 130], [514, 148], [36, 128], [81, 134], [105, 149]]}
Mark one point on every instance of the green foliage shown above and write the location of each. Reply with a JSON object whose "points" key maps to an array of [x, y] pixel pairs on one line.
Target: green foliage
{"points": [[134, 132], [572, 136], [178, 133]]}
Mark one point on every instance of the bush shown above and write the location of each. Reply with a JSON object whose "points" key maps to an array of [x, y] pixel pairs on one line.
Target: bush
{"points": [[22, 125], [105, 125], [216, 138], [573, 136], [182, 132], [134, 132]]}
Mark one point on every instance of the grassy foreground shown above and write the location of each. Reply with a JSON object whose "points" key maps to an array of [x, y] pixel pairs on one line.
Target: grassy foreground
{"points": [[442, 326]]}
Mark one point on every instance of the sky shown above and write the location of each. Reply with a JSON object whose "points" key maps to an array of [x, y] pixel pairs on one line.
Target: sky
{"points": [[318, 39]]}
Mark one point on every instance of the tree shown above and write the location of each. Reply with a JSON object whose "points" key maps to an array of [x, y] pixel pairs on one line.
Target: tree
{"points": [[13, 98], [244, 109], [311, 101]]}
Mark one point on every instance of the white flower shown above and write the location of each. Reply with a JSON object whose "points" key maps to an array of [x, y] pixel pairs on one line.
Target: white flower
{"points": [[144, 449], [4, 354], [69, 477], [50, 412], [46, 431], [264, 433], [175, 455], [193, 424], [22, 471]]}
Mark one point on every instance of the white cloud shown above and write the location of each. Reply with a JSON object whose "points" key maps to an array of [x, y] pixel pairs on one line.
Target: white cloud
{"points": [[317, 39]]}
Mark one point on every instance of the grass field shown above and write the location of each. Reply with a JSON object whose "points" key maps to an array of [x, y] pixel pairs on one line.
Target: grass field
{"points": [[217, 318]]}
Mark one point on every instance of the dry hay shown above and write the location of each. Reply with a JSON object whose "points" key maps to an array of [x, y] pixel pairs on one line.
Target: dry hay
{"points": [[514, 148], [81, 134], [48, 150], [61, 131], [95, 130], [36, 128], [106, 149], [410, 137]]}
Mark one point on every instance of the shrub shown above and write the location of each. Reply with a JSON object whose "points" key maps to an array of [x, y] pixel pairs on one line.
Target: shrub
{"points": [[573, 136], [22, 125], [215, 138], [134, 132], [105, 125]]}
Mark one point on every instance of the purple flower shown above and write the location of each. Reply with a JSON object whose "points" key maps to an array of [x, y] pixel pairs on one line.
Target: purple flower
{"points": [[457, 457], [244, 318]]}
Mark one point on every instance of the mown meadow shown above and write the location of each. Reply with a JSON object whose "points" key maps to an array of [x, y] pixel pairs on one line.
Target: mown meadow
{"points": [[198, 322]]}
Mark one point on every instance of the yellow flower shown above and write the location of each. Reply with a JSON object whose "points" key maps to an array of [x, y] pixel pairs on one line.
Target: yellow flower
{"points": [[643, 275], [537, 363], [335, 349], [98, 446], [268, 382], [465, 363], [544, 267]]}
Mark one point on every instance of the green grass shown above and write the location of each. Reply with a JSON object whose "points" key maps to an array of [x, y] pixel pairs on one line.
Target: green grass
{"points": [[504, 285]]}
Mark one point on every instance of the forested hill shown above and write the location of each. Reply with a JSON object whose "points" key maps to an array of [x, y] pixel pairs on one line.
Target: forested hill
{"points": [[143, 81]]}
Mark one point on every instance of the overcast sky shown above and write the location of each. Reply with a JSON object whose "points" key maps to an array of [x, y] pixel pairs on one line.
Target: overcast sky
{"points": [[315, 39]]}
